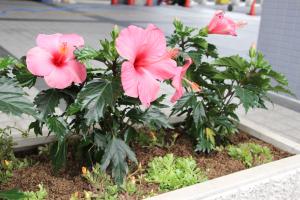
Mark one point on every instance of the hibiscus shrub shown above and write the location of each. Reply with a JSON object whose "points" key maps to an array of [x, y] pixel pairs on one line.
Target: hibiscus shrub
{"points": [[99, 104], [101, 96], [226, 83]]}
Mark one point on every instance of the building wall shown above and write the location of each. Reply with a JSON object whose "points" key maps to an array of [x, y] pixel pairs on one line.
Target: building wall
{"points": [[279, 38]]}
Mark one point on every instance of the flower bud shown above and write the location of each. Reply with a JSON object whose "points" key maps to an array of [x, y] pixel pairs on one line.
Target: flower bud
{"points": [[84, 170], [7, 163], [252, 50]]}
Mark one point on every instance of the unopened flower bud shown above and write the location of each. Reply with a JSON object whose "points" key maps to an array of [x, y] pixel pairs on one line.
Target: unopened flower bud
{"points": [[195, 87], [7, 163], [252, 51], [84, 170]]}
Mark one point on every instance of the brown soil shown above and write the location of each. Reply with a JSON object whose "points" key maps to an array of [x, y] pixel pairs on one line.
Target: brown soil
{"points": [[62, 185]]}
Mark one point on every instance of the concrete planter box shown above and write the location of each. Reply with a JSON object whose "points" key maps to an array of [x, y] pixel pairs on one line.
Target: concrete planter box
{"points": [[277, 180]]}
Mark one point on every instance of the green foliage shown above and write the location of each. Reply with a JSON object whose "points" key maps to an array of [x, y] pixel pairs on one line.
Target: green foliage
{"points": [[172, 172], [250, 154], [95, 96], [41, 194], [12, 98], [8, 161], [115, 153], [106, 190], [14, 194], [222, 80]]}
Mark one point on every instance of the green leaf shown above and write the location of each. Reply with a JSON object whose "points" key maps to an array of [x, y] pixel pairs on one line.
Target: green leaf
{"points": [[7, 61], [236, 62], [59, 150], [58, 153], [280, 78], [210, 135], [13, 194], [155, 118], [247, 97], [37, 127], [198, 113], [95, 97], [188, 100], [13, 99], [86, 53], [59, 127], [116, 153], [46, 102], [100, 140], [24, 77], [130, 134], [280, 88]]}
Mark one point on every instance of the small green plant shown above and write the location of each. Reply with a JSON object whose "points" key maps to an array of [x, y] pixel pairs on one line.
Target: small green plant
{"points": [[8, 161], [41, 194], [102, 182], [172, 172], [250, 154]]}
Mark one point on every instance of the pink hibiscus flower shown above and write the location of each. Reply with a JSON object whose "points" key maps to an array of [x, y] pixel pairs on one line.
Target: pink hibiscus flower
{"points": [[177, 80], [54, 60], [148, 62], [223, 25]]}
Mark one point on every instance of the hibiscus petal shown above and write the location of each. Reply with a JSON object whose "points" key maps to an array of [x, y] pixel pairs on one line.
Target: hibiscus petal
{"points": [[48, 42], [130, 41], [177, 80], [219, 15], [177, 95], [59, 78], [77, 70], [39, 62], [129, 78], [163, 69], [72, 41], [156, 42], [148, 88]]}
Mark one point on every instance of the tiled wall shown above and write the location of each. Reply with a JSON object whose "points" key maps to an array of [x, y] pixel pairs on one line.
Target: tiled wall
{"points": [[279, 38]]}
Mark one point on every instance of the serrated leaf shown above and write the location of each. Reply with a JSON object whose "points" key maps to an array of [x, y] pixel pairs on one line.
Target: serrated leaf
{"points": [[13, 194], [198, 113], [24, 77], [210, 135], [129, 134], [13, 99], [46, 102], [187, 100], [236, 62], [100, 140], [7, 61], [58, 126], [247, 97], [154, 117], [95, 97], [115, 154], [58, 154], [280, 78], [37, 127]]}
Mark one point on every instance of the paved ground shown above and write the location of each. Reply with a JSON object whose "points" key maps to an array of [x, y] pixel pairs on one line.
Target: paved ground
{"points": [[21, 21]]}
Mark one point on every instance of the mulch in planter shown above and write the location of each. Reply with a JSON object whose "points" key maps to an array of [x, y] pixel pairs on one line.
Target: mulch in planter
{"points": [[69, 181]]}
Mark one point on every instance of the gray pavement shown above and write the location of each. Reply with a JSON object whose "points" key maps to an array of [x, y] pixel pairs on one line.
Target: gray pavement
{"points": [[21, 21]]}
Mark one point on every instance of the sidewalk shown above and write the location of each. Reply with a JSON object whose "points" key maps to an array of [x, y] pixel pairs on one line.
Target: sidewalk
{"points": [[21, 21]]}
